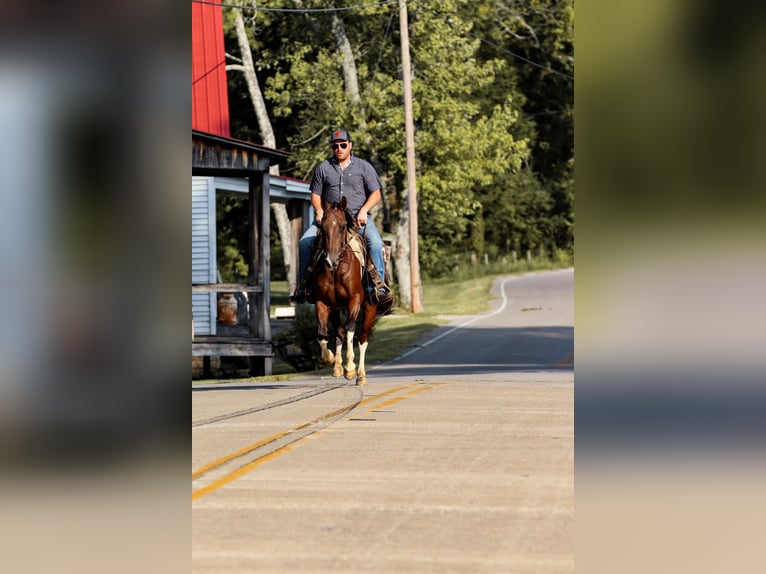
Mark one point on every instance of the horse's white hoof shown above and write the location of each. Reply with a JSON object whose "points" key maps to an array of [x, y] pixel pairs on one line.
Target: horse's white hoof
{"points": [[337, 371], [350, 374]]}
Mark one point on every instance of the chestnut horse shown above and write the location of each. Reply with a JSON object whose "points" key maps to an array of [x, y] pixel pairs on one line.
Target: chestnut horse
{"points": [[338, 287]]}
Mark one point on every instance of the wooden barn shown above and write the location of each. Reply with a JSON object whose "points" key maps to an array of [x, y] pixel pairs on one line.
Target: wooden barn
{"points": [[224, 165]]}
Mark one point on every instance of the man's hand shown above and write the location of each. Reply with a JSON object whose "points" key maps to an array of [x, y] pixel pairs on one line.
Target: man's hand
{"points": [[361, 217], [318, 215]]}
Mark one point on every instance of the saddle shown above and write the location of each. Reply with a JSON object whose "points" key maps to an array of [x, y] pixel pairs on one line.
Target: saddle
{"points": [[370, 278], [358, 247]]}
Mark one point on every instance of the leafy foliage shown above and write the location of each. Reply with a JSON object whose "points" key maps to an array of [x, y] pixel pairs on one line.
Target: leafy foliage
{"points": [[231, 242], [494, 133]]}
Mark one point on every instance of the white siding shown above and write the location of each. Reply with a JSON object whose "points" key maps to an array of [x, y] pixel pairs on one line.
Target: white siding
{"points": [[203, 253], [204, 269], [279, 187]]}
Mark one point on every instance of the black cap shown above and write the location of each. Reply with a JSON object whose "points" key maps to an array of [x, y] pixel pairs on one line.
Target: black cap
{"points": [[339, 135]]}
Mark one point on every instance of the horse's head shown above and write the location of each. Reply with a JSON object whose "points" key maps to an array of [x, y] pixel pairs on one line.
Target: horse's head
{"points": [[334, 224]]}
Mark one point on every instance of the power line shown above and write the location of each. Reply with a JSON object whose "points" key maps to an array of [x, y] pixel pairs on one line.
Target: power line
{"points": [[210, 71], [522, 58], [446, 19], [296, 10], [381, 3]]}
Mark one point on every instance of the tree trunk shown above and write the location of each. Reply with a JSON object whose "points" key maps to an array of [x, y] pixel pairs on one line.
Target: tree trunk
{"points": [[285, 235], [256, 96], [350, 78], [401, 257], [269, 140]]}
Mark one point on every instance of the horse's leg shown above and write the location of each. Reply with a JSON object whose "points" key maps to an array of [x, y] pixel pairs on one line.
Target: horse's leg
{"points": [[323, 313], [368, 321], [350, 368], [353, 314], [338, 329]]}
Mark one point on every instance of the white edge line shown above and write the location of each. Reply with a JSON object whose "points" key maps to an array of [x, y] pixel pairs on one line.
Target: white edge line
{"points": [[504, 302]]}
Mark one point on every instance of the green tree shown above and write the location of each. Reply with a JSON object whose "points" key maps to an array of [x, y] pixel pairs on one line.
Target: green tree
{"points": [[462, 145], [537, 37], [494, 134]]}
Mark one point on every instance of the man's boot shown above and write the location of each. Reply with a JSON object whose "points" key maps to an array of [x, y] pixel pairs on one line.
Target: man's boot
{"points": [[379, 293], [303, 294]]}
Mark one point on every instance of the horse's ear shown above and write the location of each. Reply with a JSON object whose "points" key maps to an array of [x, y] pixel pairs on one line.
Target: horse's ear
{"points": [[351, 221], [343, 203], [325, 205]]}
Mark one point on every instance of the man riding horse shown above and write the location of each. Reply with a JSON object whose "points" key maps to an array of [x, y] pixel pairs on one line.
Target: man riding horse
{"points": [[345, 176]]}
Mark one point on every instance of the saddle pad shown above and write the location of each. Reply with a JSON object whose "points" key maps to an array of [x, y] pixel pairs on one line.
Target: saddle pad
{"points": [[356, 245]]}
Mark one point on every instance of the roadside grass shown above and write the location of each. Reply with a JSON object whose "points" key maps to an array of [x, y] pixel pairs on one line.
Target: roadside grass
{"points": [[465, 297], [393, 334]]}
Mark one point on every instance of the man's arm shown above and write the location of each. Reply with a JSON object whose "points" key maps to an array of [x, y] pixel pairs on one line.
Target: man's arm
{"points": [[372, 201], [316, 203], [315, 187]]}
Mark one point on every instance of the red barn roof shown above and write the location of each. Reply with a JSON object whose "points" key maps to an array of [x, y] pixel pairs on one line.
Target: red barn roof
{"points": [[210, 103]]}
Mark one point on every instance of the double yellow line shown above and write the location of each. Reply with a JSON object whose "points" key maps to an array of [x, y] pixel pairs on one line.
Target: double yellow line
{"points": [[218, 483]]}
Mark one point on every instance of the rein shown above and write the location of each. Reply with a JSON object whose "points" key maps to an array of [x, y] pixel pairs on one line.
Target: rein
{"points": [[322, 244]]}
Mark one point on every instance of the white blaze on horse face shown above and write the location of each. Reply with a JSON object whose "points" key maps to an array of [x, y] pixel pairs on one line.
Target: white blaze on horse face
{"points": [[332, 254]]}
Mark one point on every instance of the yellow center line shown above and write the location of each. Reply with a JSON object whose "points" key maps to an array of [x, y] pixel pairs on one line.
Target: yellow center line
{"points": [[395, 400], [250, 448], [226, 479], [391, 392], [242, 470], [240, 452], [566, 361]]}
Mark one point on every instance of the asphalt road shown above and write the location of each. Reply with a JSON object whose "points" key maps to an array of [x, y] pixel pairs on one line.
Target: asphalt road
{"points": [[456, 457]]}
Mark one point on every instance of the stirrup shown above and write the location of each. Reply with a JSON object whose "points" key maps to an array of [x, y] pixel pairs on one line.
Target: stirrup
{"points": [[301, 294], [383, 296], [377, 297], [385, 307], [298, 297]]}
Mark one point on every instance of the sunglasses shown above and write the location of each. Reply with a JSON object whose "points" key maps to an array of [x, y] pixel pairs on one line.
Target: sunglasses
{"points": [[343, 145]]}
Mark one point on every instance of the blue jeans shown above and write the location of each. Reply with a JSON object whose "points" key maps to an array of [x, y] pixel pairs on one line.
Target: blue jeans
{"points": [[374, 248]]}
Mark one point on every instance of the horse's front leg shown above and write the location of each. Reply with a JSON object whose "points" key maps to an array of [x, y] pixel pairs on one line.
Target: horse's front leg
{"points": [[323, 313], [350, 368], [370, 312], [362, 378], [339, 332]]}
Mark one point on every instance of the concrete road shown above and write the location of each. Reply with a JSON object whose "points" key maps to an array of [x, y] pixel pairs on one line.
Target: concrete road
{"points": [[457, 457]]}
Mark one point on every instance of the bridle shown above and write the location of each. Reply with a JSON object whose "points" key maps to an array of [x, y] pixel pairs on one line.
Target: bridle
{"points": [[344, 245]]}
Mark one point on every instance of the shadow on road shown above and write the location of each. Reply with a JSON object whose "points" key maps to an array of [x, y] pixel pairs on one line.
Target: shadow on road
{"points": [[473, 350]]}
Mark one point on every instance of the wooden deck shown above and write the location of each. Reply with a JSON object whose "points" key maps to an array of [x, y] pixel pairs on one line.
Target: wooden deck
{"points": [[231, 347]]}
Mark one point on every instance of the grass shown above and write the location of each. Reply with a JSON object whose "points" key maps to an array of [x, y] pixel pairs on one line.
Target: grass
{"points": [[395, 333], [466, 297]]}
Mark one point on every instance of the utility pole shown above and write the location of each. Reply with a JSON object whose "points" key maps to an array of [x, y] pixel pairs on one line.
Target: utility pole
{"points": [[409, 131]]}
